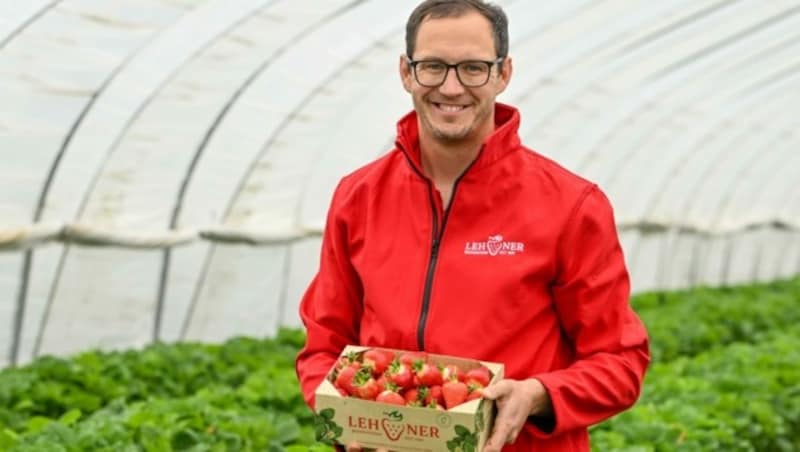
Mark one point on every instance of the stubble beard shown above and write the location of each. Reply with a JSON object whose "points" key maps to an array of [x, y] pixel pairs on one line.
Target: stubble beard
{"points": [[447, 134]]}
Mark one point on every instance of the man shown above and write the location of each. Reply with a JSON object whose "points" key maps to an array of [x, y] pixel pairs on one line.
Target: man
{"points": [[461, 241]]}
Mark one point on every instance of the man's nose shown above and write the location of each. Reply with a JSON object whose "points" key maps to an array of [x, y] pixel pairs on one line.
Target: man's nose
{"points": [[451, 86]]}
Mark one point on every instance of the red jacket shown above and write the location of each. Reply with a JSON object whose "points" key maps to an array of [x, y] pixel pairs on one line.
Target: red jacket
{"points": [[523, 268]]}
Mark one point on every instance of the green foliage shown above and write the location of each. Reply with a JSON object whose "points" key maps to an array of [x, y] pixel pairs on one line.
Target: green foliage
{"points": [[325, 429], [464, 440], [725, 376], [688, 322], [242, 395], [726, 373]]}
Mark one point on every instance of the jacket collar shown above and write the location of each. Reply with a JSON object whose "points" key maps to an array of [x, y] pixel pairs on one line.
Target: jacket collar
{"points": [[503, 140]]}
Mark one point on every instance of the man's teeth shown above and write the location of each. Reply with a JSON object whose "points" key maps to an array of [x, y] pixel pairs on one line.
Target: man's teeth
{"points": [[451, 108]]}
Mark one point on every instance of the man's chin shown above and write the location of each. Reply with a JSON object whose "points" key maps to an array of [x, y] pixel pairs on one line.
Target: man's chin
{"points": [[451, 135]]}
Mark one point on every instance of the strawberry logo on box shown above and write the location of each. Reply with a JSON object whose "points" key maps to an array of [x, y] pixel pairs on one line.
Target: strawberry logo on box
{"points": [[392, 424], [392, 429]]}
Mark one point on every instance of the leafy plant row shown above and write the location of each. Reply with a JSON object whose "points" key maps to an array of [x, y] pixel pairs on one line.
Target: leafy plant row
{"points": [[688, 322], [744, 397], [242, 395], [724, 378]]}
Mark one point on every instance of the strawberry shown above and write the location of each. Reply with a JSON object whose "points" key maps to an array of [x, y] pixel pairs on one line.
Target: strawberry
{"points": [[452, 372], [344, 380], [479, 375], [399, 374], [427, 374], [435, 394], [412, 397], [348, 360], [377, 360], [382, 382], [390, 396], [410, 358], [364, 386], [455, 393], [474, 393]]}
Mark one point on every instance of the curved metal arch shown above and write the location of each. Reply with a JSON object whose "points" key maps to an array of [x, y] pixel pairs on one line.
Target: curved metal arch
{"points": [[628, 108], [701, 137], [235, 98], [318, 88], [27, 21], [41, 202], [115, 141], [608, 37]]}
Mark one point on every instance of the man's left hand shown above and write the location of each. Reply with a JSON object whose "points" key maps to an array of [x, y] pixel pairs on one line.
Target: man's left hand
{"points": [[516, 401]]}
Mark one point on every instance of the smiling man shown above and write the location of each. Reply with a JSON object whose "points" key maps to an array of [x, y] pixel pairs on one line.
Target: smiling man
{"points": [[462, 241]]}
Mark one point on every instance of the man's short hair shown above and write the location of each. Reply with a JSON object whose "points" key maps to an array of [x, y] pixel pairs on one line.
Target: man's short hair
{"points": [[438, 9]]}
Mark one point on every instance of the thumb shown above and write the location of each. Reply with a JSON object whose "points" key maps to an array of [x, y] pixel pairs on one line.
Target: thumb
{"points": [[495, 391]]}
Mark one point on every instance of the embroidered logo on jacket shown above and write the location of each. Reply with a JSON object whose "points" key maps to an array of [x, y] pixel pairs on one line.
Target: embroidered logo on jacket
{"points": [[494, 246]]}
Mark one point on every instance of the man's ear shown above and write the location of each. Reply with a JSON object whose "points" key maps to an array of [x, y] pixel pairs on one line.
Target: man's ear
{"points": [[405, 73], [504, 77]]}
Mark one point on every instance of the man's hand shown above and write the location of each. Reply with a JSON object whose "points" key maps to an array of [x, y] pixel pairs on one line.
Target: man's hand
{"points": [[516, 400]]}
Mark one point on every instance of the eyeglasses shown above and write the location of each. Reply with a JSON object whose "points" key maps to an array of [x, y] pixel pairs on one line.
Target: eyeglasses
{"points": [[433, 73]]}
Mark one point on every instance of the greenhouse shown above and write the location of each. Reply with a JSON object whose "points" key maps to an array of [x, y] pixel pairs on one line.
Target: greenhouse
{"points": [[166, 167]]}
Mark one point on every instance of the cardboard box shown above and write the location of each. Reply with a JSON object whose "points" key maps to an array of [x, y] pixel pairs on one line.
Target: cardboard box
{"points": [[465, 427]]}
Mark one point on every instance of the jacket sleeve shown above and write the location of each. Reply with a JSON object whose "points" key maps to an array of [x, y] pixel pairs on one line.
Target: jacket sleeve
{"points": [[591, 297], [331, 306]]}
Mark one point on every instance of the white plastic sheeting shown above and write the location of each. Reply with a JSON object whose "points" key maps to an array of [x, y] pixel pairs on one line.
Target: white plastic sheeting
{"points": [[165, 166]]}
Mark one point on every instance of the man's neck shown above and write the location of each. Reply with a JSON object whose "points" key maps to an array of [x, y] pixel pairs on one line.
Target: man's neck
{"points": [[443, 163]]}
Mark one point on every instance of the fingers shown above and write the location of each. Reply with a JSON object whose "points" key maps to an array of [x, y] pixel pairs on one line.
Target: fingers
{"points": [[497, 390], [511, 415], [505, 431]]}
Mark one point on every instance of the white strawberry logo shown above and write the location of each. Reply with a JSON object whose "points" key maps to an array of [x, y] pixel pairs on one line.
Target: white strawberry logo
{"points": [[494, 244]]}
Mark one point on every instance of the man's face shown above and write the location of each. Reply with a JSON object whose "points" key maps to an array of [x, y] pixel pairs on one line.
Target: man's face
{"points": [[452, 112]]}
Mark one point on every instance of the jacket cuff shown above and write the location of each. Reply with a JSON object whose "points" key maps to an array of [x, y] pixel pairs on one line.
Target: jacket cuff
{"points": [[546, 426]]}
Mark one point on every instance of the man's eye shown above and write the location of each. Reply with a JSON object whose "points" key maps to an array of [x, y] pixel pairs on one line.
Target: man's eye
{"points": [[431, 67], [473, 68]]}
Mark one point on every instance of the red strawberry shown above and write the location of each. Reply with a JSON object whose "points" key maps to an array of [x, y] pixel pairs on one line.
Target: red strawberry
{"points": [[399, 374], [348, 360], [382, 382], [345, 379], [377, 360], [474, 393], [364, 386], [455, 393], [479, 375], [412, 397], [435, 394], [409, 358], [428, 374], [452, 372], [391, 397]]}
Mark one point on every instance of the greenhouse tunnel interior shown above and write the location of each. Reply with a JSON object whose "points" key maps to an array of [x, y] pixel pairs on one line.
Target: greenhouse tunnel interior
{"points": [[166, 165]]}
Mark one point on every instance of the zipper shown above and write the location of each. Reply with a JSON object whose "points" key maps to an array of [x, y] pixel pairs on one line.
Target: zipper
{"points": [[436, 241], [435, 245]]}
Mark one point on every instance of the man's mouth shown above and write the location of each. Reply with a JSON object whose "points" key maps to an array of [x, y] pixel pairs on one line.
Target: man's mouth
{"points": [[449, 108]]}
